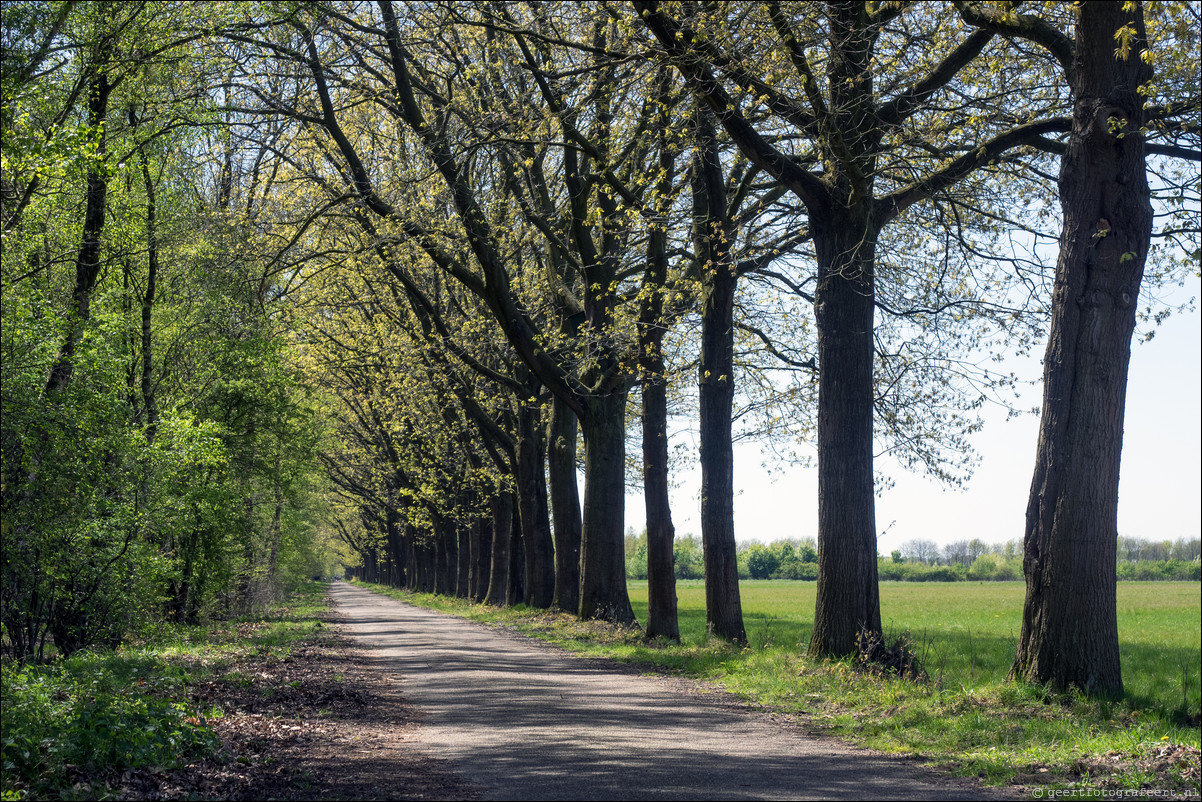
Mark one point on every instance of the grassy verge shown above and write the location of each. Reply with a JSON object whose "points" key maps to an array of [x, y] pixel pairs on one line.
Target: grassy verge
{"points": [[964, 716], [110, 711]]}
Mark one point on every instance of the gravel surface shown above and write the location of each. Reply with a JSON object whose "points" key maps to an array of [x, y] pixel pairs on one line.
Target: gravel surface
{"points": [[518, 719]]}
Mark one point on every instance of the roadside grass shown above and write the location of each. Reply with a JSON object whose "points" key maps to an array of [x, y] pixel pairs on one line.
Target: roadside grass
{"points": [[965, 717], [129, 708]]}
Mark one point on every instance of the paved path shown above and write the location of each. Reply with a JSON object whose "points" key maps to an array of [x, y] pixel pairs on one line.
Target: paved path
{"points": [[525, 721]]}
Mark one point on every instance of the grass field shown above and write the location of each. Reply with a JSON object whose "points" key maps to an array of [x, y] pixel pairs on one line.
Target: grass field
{"points": [[966, 631], [965, 716]]}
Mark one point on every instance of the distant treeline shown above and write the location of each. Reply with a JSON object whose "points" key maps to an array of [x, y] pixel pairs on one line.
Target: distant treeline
{"points": [[922, 560]]}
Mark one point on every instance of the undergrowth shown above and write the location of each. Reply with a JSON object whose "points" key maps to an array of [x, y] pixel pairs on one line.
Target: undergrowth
{"points": [[128, 708]]}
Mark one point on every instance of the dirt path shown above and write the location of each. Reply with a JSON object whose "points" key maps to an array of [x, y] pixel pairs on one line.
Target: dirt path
{"points": [[521, 720]]}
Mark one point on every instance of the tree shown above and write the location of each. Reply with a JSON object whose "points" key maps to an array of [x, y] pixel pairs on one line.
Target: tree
{"points": [[1069, 634]]}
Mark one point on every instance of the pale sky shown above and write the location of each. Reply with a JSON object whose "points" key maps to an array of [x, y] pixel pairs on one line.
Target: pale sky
{"points": [[1159, 496]]}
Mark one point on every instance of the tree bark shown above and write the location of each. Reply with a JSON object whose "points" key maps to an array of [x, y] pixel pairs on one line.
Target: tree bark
{"points": [[463, 532], [448, 537], [848, 598], [539, 561], [276, 530], [1069, 634], [662, 620], [413, 581], [426, 566], [502, 534], [397, 551], [603, 593], [441, 561], [148, 299], [481, 557], [844, 234], [565, 505], [716, 387], [516, 592]]}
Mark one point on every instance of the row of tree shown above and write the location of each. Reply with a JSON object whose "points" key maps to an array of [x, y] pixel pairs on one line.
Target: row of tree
{"points": [[916, 560], [596, 180], [966, 552], [487, 231]]}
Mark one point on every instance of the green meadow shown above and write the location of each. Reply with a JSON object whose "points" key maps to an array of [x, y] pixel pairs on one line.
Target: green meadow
{"points": [[965, 632]]}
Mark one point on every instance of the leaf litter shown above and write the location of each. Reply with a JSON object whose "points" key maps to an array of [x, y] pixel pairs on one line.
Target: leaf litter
{"points": [[318, 720]]}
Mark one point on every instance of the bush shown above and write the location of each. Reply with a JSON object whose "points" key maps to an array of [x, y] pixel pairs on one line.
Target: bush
{"points": [[992, 567], [110, 711], [796, 569], [690, 561], [918, 572], [1157, 571], [1184, 571], [1145, 571], [636, 556], [762, 562], [943, 573]]}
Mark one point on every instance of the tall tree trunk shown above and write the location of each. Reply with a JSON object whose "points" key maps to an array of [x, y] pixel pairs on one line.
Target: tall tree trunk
{"points": [[440, 563], [1069, 634], [661, 574], [848, 600], [87, 262], [516, 593], [603, 593], [463, 582], [397, 547], [565, 505], [446, 548], [539, 581], [661, 569], [713, 235], [502, 535], [277, 515], [421, 565], [148, 299], [481, 557], [450, 536]]}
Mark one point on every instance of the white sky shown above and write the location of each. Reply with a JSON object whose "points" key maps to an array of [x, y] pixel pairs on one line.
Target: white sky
{"points": [[1159, 496]]}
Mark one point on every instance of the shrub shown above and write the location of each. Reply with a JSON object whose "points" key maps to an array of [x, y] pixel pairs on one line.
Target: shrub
{"points": [[942, 573], [994, 567], [796, 569], [690, 561], [111, 711], [762, 561]]}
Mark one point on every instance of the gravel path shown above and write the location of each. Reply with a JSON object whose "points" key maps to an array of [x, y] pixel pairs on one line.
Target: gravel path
{"points": [[524, 721]]}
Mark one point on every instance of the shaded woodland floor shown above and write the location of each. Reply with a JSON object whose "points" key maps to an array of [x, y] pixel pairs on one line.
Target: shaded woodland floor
{"points": [[317, 723]]}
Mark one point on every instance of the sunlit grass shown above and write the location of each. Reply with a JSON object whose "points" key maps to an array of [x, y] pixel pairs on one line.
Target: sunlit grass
{"points": [[967, 631], [967, 715]]}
